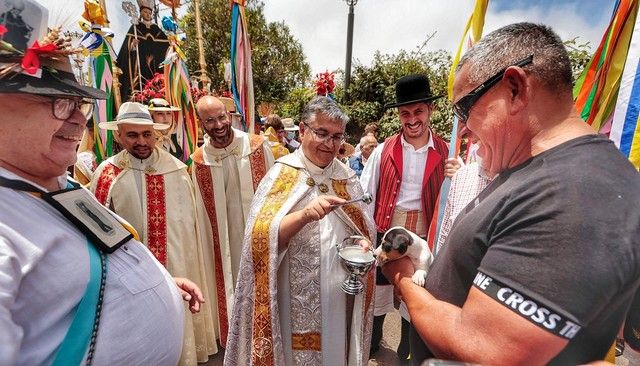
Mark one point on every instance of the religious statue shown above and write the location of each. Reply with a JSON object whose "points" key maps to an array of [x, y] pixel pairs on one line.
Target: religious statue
{"points": [[142, 51], [12, 18]]}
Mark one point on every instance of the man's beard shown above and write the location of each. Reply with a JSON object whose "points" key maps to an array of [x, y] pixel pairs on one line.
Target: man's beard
{"points": [[221, 141]]}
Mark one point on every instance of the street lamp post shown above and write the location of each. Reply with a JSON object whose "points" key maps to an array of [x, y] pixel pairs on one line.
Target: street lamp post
{"points": [[347, 67]]}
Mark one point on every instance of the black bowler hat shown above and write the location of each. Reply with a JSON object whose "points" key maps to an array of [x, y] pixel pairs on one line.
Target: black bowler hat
{"points": [[412, 89]]}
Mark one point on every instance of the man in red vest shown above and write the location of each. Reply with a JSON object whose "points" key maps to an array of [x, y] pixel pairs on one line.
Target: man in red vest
{"points": [[404, 175]]}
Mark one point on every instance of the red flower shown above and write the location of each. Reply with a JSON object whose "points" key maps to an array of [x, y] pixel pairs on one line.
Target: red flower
{"points": [[153, 88], [324, 83]]}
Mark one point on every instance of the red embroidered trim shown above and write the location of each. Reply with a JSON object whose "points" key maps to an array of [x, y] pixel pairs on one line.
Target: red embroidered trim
{"points": [[109, 173], [306, 342], [256, 160], [156, 217], [205, 182]]}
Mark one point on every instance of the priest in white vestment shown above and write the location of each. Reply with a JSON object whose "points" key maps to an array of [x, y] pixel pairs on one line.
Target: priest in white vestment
{"points": [[152, 190], [226, 171], [289, 307]]}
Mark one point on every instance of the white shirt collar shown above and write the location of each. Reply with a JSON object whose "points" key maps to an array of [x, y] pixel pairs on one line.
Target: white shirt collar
{"points": [[426, 147], [62, 180]]}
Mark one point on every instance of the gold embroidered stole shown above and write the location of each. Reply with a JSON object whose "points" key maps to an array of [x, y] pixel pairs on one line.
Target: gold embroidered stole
{"points": [[262, 332]]}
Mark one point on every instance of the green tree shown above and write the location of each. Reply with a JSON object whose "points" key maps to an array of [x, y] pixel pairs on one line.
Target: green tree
{"points": [[294, 102], [372, 87], [278, 62], [580, 54]]}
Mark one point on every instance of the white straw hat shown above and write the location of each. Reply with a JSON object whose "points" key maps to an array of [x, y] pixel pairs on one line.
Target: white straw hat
{"points": [[289, 125], [132, 113], [161, 105]]}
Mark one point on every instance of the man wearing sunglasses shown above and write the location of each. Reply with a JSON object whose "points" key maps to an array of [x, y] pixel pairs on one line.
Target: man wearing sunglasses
{"points": [[63, 299], [542, 266], [404, 175]]}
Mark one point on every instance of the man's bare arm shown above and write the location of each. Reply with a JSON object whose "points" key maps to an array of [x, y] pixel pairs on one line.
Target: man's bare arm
{"points": [[482, 331]]}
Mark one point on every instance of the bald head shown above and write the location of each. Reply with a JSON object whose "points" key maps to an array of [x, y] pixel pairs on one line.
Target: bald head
{"points": [[209, 101], [215, 121]]}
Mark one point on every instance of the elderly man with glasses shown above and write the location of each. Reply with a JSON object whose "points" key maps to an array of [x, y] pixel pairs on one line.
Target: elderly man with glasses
{"points": [[75, 287], [542, 266], [289, 306]]}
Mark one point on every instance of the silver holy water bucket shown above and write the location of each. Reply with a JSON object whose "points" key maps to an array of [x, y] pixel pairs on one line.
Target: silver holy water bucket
{"points": [[356, 261]]}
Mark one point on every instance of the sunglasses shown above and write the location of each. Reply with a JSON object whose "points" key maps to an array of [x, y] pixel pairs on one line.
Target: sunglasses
{"points": [[462, 107]]}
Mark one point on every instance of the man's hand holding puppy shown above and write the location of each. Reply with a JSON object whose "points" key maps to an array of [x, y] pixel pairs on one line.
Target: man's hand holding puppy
{"points": [[397, 270]]}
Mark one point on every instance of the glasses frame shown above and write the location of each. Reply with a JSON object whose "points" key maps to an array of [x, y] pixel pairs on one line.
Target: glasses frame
{"points": [[62, 112], [325, 139], [462, 107]]}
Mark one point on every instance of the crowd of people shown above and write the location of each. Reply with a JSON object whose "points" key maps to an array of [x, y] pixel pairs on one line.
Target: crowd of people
{"points": [[156, 262]]}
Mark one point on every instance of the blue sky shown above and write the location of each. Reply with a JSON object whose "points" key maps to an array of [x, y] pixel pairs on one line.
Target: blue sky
{"points": [[591, 10], [392, 25]]}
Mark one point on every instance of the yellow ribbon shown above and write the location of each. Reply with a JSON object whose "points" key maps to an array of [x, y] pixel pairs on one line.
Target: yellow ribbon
{"points": [[94, 13], [176, 45], [476, 23]]}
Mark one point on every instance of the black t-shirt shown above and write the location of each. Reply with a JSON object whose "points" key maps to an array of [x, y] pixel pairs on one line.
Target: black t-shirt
{"points": [[557, 241]]}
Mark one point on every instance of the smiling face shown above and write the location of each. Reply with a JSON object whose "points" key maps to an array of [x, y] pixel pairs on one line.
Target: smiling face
{"points": [[415, 121], [138, 140], [321, 153], [215, 121], [500, 135], [33, 143]]}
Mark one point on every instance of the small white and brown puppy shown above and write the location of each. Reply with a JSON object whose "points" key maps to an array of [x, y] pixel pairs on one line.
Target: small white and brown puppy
{"points": [[399, 242]]}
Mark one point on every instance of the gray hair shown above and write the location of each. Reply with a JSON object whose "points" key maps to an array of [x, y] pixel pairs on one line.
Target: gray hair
{"points": [[514, 42], [326, 107]]}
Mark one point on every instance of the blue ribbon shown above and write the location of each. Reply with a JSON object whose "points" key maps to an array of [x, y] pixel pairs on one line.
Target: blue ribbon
{"points": [[169, 24]]}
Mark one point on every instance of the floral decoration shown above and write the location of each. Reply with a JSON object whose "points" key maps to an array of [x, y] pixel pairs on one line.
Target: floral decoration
{"points": [[153, 88], [324, 83]]}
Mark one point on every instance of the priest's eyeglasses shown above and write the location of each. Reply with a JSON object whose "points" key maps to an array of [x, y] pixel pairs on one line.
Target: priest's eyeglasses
{"points": [[324, 137], [462, 107], [63, 108]]}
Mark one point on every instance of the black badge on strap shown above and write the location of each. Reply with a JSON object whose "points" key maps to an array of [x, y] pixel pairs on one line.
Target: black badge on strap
{"points": [[81, 208], [534, 311]]}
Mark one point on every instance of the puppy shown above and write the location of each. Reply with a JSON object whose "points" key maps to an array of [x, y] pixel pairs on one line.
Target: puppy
{"points": [[399, 242]]}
